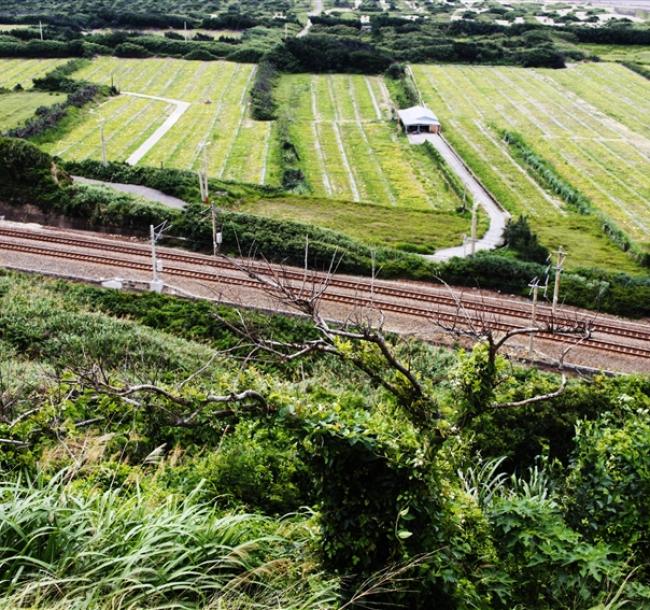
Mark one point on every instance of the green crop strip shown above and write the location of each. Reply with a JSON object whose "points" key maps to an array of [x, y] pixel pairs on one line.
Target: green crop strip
{"points": [[547, 176], [545, 173]]}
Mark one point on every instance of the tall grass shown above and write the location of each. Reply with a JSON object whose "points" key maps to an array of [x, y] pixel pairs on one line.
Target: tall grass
{"points": [[64, 548]]}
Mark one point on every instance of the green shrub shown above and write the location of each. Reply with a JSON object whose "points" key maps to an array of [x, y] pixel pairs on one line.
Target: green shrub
{"points": [[258, 466], [609, 483], [524, 242]]}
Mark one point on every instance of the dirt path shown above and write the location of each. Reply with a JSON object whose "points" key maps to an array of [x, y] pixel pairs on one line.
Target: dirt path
{"points": [[498, 217], [154, 138]]}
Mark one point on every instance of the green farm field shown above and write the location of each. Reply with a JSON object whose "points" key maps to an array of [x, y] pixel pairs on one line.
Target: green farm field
{"points": [[566, 117], [412, 230], [637, 53], [348, 147], [238, 147], [350, 151], [22, 71], [16, 108], [128, 121]]}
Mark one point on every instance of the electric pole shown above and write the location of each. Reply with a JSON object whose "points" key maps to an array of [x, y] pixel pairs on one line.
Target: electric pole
{"points": [[103, 141], [154, 262], [534, 286], [156, 265], [205, 197], [474, 223], [561, 257], [40, 27], [185, 30]]}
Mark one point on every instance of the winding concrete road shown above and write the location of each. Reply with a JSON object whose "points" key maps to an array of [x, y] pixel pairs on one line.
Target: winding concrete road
{"points": [[493, 238], [154, 138]]}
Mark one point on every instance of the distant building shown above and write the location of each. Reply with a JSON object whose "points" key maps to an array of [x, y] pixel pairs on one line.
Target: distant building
{"points": [[418, 119]]}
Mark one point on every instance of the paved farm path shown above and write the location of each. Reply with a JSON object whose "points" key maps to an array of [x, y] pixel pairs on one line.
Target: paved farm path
{"points": [[154, 138], [498, 217], [135, 189], [492, 238], [318, 9]]}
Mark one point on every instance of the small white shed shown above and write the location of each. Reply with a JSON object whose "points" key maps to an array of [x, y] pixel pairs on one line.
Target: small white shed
{"points": [[418, 119]]}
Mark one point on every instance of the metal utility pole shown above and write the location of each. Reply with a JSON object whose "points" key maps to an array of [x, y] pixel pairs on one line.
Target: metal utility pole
{"points": [[474, 225], [156, 265], [534, 286], [561, 257], [103, 141], [205, 197], [154, 261], [185, 30], [40, 27]]}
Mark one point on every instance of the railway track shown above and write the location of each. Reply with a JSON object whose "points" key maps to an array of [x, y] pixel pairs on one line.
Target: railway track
{"points": [[544, 314], [329, 295]]}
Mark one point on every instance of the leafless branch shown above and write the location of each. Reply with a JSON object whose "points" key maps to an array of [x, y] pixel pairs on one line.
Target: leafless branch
{"points": [[97, 380]]}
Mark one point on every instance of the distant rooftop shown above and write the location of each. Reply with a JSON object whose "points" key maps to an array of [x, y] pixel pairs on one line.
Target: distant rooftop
{"points": [[417, 115]]}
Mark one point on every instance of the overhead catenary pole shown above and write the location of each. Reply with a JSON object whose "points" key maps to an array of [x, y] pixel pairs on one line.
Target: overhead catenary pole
{"points": [[561, 257], [205, 197], [534, 286], [154, 261], [156, 265]]}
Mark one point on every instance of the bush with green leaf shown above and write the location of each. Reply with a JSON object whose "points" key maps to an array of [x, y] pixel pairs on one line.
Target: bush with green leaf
{"points": [[609, 483]]}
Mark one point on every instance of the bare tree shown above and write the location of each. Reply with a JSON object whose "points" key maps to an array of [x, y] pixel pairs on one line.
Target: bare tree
{"points": [[179, 410], [360, 338]]}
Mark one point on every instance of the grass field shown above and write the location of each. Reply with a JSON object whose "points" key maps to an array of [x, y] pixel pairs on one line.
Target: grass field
{"points": [[601, 84], [637, 53], [119, 114], [21, 71], [349, 149], [603, 157], [412, 230], [16, 108], [218, 93]]}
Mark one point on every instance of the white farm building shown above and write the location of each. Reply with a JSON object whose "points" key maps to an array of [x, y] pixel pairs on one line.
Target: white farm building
{"points": [[418, 119]]}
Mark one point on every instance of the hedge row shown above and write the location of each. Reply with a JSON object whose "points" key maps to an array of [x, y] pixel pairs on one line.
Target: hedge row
{"points": [[638, 68], [263, 106]]}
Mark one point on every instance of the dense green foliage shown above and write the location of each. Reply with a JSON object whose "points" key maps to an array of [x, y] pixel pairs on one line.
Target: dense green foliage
{"points": [[524, 242], [263, 106], [317, 53], [164, 515], [456, 42], [610, 479]]}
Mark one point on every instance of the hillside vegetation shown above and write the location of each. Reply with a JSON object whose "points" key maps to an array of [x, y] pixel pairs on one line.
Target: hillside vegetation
{"points": [[119, 498]]}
